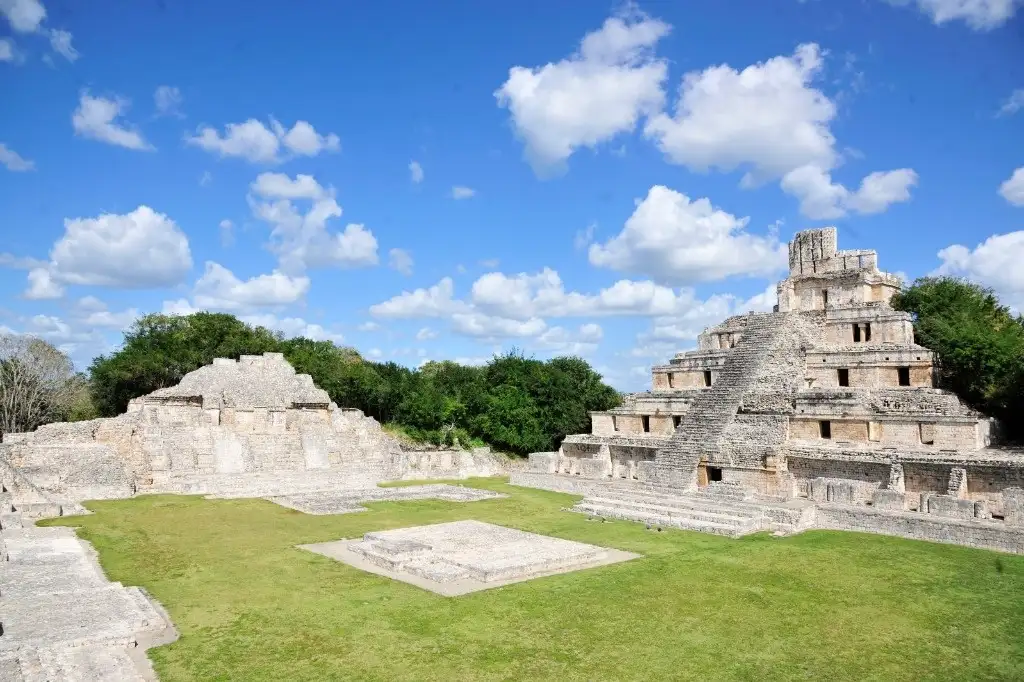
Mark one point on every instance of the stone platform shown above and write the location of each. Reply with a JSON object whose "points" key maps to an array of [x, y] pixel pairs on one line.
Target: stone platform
{"points": [[63, 620], [457, 558], [350, 501]]}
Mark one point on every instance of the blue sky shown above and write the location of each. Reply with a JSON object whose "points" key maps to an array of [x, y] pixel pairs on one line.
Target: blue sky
{"points": [[446, 180]]}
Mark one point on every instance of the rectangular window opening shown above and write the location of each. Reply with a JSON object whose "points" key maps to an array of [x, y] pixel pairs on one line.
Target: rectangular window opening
{"points": [[676, 420], [904, 375], [707, 377], [615, 423], [824, 299], [645, 422], [844, 377], [867, 332], [856, 333], [714, 474], [671, 380], [825, 428]]}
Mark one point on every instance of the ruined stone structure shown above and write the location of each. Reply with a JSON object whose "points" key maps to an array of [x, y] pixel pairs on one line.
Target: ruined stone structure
{"points": [[245, 428], [822, 413]]}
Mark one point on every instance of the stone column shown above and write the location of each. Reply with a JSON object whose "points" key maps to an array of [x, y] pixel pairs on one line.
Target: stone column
{"points": [[958, 483], [604, 455], [896, 479]]}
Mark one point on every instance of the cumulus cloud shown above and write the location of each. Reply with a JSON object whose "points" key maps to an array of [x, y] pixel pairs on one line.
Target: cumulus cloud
{"points": [[981, 15], [89, 311], [256, 143], [425, 334], [97, 118], [767, 118], [12, 161], [1013, 188], [460, 192], [303, 240], [400, 260], [994, 263], [41, 286], [137, 250], [435, 301], [593, 95], [415, 172], [220, 289], [8, 52], [24, 16], [492, 327], [822, 199], [167, 99], [673, 239], [227, 232]]}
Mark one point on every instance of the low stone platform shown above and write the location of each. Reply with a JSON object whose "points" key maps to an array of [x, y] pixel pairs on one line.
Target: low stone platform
{"points": [[349, 501], [457, 558], [63, 620]]}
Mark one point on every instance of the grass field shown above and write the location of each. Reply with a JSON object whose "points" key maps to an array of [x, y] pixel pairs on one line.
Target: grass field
{"points": [[818, 606]]}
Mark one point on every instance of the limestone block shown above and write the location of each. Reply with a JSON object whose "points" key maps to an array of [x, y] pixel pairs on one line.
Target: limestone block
{"points": [[957, 482], [594, 468], [951, 507], [1013, 506], [889, 500]]}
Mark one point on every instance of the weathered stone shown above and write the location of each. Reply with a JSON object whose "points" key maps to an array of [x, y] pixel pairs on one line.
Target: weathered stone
{"points": [[826, 398], [465, 556]]}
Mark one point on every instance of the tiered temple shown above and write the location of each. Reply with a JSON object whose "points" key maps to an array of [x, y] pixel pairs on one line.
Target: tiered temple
{"points": [[826, 401]]}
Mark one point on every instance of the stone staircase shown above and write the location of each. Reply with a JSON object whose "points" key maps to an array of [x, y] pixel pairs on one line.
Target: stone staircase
{"points": [[714, 409], [20, 501], [684, 511]]}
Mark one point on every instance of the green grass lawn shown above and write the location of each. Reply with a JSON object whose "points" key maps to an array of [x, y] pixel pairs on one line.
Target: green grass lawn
{"points": [[819, 606]]}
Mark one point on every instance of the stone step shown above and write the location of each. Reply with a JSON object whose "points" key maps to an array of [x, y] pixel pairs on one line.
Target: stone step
{"points": [[10, 519], [80, 664], [38, 509], [695, 509], [674, 512], [665, 521], [692, 500]]}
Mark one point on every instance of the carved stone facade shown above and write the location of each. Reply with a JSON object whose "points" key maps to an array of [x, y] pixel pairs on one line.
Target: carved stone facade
{"points": [[251, 427], [826, 400]]}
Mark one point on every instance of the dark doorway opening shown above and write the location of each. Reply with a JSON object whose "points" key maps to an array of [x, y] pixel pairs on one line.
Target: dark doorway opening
{"points": [[707, 377], [646, 422], [714, 474], [904, 375], [826, 429], [844, 377]]}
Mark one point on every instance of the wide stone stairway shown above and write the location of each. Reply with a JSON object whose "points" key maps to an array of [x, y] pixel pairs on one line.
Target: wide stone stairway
{"points": [[714, 409], [62, 620]]}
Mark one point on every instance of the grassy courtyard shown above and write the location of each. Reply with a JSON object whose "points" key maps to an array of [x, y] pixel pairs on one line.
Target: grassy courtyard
{"points": [[822, 605]]}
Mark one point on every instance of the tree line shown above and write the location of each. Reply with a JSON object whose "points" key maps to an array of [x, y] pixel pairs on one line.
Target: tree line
{"points": [[514, 403]]}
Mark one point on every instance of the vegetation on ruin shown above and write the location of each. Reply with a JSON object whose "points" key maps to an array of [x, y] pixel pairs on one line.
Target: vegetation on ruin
{"points": [[38, 385], [979, 343], [514, 403], [820, 605]]}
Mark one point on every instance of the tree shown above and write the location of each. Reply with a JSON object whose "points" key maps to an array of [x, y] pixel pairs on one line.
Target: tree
{"points": [[38, 384], [979, 342]]}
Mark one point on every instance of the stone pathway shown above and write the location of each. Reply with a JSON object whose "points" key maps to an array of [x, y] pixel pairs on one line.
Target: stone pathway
{"points": [[348, 501], [62, 620]]}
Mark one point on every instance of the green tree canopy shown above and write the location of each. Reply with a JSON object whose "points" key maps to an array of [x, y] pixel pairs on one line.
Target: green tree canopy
{"points": [[979, 342]]}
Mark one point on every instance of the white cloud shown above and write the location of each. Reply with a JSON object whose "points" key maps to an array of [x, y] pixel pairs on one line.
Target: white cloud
{"points": [[425, 334], [13, 161], [227, 233], [1013, 188], [460, 192], [368, 326], [256, 143], [400, 260], [205, 179], [492, 327], [490, 263], [584, 238], [590, 97], [673, 239], [415, 172], [101, 317], [302, 240], [433, 302], [981, 15], [167, 100], [137, 250], [294, 326], [767, 118], [581, 342], [89, 304], [8, 53], [41, 286], [179, 306], [374, 353], [25, 16], [95, 118], [220, 289], [60, 41], [1013, 103], [994, 263], [822, 199], [690, 320]]}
